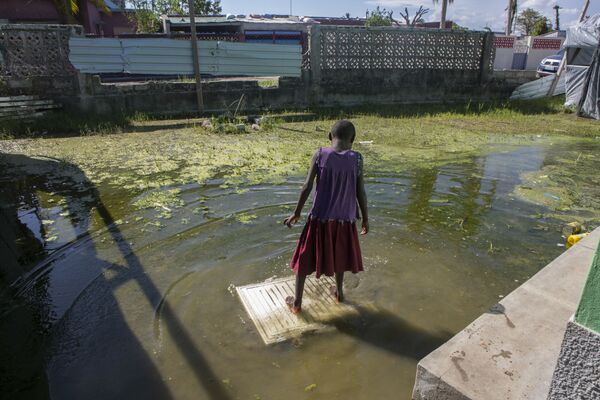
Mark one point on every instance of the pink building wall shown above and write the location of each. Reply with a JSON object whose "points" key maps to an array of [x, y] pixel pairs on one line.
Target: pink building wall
{"points": [[44, 11], [34, 11]]}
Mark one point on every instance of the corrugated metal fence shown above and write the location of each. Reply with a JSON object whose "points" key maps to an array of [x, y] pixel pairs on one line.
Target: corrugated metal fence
{"points": [[174, 57], [539, 88]]}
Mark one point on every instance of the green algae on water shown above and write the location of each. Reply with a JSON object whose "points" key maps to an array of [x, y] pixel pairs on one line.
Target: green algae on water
{"points": [[162, 200], [245, 218], [568, 185]]}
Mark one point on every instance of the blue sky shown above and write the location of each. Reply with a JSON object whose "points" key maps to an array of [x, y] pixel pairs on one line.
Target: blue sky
{"points": [[474, 14]]}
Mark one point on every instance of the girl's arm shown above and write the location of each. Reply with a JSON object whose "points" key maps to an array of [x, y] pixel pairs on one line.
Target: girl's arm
{"points": [[361, 196], [304, 193]]}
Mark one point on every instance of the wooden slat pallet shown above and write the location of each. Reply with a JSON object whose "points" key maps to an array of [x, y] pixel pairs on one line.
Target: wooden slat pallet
{"points": [[25, 107], [265, 304]]}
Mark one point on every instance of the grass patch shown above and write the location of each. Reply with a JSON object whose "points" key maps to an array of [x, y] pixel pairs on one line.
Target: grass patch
{"points": [[66, 124], [524, 107]]}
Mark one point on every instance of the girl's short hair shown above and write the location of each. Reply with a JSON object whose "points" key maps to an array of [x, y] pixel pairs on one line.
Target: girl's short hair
{"points": [[343, 129]]}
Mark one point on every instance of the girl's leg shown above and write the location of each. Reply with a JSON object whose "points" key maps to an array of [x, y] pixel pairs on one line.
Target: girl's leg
{"points": [[299, 290], [339, 283], [295, 303]]}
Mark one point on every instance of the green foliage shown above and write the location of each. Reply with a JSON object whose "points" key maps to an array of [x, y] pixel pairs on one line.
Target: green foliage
{"points": [[271, 123], [528, 18], [145, 21], [69, 9], [379, 17], [457, 27], [542, 26], [206, 7], [146, 16]]}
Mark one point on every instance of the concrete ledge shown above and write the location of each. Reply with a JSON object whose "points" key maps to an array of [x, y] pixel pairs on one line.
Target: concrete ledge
{"points": [[511, 352]]}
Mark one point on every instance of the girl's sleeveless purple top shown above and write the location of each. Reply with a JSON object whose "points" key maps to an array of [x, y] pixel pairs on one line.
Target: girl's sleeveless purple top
{"points": [[335, 194]]}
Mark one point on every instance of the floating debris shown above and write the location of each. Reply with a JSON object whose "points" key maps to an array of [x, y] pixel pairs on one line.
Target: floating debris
{"points": [[310, 387], [573, 239]]}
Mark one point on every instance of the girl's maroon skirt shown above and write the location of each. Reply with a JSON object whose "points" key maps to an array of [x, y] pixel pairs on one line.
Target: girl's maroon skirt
{"points": [[327, 247]]}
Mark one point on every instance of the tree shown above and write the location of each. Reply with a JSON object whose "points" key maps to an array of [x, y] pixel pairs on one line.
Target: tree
{"points": [[417, 18], [457, 27], [205, 7], [527, 20], [379, 17], [542, 26], [146, 16], [511, 13], [444, 8], [145, 20]]}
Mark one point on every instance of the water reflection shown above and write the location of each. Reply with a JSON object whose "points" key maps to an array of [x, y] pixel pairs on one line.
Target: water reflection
{"points": [[124, 354]]}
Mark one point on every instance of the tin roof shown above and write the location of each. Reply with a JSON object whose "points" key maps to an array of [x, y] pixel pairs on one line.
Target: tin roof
{"points": [[232, 20]]}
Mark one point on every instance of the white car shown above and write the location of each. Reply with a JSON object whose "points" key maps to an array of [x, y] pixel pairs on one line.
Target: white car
{"points": [[549, 65]]}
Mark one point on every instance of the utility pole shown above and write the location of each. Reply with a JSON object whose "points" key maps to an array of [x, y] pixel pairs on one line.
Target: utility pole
{"points": [[511, 9], [557, 18], [195, 61], [290, 8]]}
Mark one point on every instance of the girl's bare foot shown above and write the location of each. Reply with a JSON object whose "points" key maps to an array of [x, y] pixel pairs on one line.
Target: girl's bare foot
{"points": [[339, 297], [291, 303]]}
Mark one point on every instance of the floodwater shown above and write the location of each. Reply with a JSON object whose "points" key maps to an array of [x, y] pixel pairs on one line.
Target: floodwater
{"points": [[127, 305]]}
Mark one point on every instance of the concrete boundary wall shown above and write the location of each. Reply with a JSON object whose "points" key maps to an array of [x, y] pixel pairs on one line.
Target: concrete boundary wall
{"points": [[348, 67], [34, 59], [539, 48], [511, 351], [505, 50], [179, 98]]}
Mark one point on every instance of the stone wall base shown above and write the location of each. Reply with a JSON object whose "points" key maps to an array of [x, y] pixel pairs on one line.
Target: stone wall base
{"points": [[577, 373]]}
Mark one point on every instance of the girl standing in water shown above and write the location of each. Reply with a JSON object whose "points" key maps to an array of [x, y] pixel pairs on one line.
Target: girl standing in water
{"points": [[329, 242]]}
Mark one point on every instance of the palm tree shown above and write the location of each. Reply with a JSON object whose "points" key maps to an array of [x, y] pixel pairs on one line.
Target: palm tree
{"points": [[511, 13], [444, 8], [70, 8]]}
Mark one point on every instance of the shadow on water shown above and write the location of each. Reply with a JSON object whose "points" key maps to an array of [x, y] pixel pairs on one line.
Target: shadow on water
{"points": [[23, 366], [391, 333]]}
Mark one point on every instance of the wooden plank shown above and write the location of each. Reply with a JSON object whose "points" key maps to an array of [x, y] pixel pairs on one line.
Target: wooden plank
{"points": [[27, 111], [26, 103], [49, 104], [13, 110], [265, 304], [28, 116], [18, 98]]}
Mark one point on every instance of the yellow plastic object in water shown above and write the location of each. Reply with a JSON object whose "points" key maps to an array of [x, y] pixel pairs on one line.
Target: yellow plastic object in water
{"points": [[571, 240]]}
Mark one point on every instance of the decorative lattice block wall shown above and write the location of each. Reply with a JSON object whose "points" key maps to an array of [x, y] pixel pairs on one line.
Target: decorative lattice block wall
{"points": [[406, 49], [35, 51]]}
